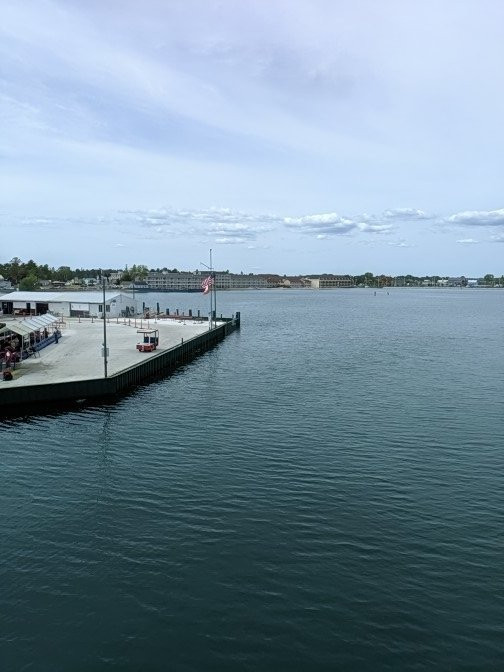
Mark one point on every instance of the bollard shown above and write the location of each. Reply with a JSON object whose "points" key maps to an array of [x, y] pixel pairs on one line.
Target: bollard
{"points": [[190, 312], [199, 314], [157, 308], [167, 311], [177, 311]]}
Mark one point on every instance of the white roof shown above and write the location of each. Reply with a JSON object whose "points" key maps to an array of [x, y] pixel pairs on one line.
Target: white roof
{"points": [[60, 297], [39, 321], [31, 324]]}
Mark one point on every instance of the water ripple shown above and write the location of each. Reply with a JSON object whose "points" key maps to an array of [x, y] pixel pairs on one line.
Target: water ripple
{"points": [[321, 491]]}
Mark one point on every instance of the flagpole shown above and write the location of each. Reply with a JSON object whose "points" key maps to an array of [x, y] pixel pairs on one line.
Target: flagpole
{"points": [[104, 314], [207, 287], [214, 291], [211, 290]]}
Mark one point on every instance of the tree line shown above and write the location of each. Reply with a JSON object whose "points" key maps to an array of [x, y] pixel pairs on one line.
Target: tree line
{"points": [[28, 275]]}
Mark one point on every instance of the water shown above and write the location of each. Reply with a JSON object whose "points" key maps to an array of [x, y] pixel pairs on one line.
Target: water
{"points": [[323, 490]]}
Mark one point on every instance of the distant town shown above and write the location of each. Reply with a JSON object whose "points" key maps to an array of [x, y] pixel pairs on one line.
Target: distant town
{"points": [[29, 276]]}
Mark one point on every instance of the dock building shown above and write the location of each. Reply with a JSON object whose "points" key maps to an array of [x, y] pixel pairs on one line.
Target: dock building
{"points": [[68, 304]]}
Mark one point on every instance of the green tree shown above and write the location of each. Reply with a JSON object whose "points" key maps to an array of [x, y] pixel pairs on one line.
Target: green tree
{"points": [[141, 272], [489, 279], [63, 274], [29, 283], [15, 270]]}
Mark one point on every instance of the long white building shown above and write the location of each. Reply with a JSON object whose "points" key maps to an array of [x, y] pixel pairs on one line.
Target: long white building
{"points": [[185, 281], [69, 304]]}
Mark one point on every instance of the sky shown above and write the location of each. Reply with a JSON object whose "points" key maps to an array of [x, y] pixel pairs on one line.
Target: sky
{"points": [[288, 136]]}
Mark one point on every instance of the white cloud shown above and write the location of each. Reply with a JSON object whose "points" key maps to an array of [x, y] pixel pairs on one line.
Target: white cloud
{"points": [[369, 227], [333, 224], [231, 241], [477, 218], [227, 224], [330, 222], [405, 214], [400, 243], [223, 224], [467, 241]]}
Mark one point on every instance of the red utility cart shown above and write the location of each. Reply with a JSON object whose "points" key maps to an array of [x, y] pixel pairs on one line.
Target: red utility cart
{"points": [[150, 340]]}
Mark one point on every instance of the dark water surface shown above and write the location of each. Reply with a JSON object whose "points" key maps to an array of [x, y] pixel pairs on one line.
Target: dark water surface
{"points": [[322, 491]]}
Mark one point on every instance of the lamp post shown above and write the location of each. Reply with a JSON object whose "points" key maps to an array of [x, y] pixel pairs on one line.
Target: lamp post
{"points": [[104, 311]]}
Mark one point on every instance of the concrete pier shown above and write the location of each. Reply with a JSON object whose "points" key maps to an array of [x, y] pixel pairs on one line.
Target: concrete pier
{"points": [[73, 368]]}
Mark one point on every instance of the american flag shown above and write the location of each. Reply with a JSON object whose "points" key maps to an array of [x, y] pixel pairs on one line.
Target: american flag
{"points": [[207, 284]]}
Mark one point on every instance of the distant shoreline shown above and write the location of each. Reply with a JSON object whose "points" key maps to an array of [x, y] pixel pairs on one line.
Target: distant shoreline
{"points": [[154, 290]]}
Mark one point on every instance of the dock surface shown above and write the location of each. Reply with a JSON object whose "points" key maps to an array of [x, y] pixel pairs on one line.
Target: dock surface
{"points": [[77, 355]]}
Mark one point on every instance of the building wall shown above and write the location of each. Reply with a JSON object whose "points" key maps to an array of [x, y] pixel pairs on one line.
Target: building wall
{"points": [[174, 281], [192, 281], [331, 282], [117, 307], [336, 281]]}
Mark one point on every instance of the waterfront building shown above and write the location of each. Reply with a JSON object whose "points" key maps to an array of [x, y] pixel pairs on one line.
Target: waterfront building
{"points": [[286, 281], [186, 281], [5, 285], [330, 281], [241, 281], [114, 278], [457, 281], [68, 304], [173, 282]]}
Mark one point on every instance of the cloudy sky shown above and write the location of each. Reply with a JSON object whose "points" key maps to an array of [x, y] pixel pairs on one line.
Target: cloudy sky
{"points": [[287, 135]]}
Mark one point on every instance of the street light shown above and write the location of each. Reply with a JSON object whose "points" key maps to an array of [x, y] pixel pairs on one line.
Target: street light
{"points": [[104, 311]]}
